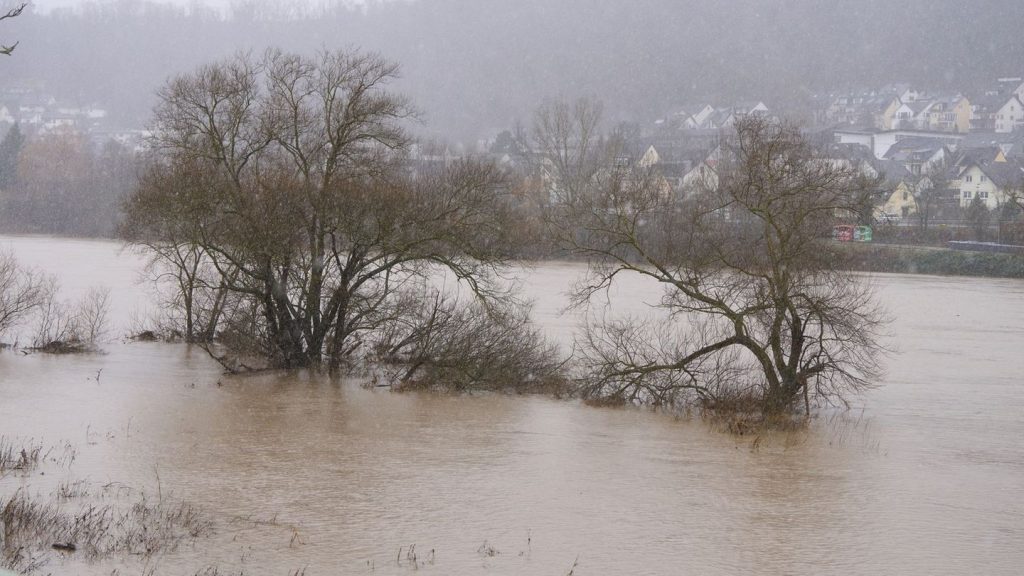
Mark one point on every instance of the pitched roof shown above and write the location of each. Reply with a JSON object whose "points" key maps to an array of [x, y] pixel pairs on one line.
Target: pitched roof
{"points": [[913, 149], [1010, 100], [894, 172], [1004, 174], [987, 102], [918, 106], [982, 155], [983, 139], [848, 151]]}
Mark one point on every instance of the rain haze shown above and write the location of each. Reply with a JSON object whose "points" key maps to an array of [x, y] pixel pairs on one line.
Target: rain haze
{"points": [[576, 287]]}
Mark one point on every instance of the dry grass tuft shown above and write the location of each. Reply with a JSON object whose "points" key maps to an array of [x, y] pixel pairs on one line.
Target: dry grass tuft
{"points": [[27, 455], [34, 527]]}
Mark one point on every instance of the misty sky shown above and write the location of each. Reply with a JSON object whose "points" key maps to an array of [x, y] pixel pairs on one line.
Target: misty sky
{"points": [[475, 67], [45, 6]]}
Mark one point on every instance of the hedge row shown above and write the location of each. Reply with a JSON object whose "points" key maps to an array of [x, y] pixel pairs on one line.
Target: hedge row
{"points": [[940, 261]]}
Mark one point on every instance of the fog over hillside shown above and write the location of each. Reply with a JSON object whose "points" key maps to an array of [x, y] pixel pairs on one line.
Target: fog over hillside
{"points": [[475, 66]]}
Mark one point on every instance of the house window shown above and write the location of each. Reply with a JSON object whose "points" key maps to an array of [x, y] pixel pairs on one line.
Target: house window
{"points": [[982, 177], [906, 195], [969, 179], [967, 194], [983, 195]]}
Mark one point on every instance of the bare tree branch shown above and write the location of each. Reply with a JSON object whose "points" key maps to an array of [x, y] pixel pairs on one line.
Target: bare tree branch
{"points": [[12, 13]]}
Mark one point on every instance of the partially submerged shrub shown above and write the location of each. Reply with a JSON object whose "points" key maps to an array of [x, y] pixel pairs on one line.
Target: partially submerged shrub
{"points": [[452, 346], [65, 328]]}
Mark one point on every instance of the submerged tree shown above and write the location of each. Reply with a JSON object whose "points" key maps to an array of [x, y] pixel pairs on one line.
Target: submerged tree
{"points": [[761, 314], [280, 185]]}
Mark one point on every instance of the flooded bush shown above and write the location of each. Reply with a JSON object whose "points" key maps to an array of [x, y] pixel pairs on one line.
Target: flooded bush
{"points": [[451, 346], [63, 327]]}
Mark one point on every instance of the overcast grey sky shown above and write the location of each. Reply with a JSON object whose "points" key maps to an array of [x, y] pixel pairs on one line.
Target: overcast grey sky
{"points": [[48, 5], [223, 5]]}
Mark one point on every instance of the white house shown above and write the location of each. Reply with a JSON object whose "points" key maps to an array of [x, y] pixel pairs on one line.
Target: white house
{"points": [[991, 183], [1010, 115], [698, 118], [704, 176], [903, 117]]}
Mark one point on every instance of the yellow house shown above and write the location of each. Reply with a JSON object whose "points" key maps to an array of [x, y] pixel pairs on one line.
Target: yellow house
{"points": [[649, 158], [884, 120], [900, 202], [950, 115]]}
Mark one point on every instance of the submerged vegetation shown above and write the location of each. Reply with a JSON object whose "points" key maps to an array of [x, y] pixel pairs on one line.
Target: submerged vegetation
{"points": [[292, 230], [281, 205], [90, 521], [30, 298], [143, 526], [762, 317]]}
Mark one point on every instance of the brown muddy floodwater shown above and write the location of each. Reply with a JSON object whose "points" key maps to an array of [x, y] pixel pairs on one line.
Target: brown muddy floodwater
{"points": [[924, 476]]}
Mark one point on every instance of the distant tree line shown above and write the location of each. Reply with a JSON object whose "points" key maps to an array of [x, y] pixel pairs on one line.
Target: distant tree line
{"points": [[61, 183]]}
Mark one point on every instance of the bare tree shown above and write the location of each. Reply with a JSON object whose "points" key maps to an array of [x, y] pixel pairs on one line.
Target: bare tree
{"points": [[759, 309], [21, 291], [63, 326], [287, 176], [457, 346], [927, 198], [569, 140], [6, 49], [929, 191]]}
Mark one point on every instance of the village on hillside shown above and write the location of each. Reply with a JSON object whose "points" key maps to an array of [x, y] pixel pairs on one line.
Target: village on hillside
{"points": [[938, 160], [39, 113]]}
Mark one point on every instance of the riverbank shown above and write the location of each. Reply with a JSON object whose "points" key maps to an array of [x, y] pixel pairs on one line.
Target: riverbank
{"points": [[902, 259]]}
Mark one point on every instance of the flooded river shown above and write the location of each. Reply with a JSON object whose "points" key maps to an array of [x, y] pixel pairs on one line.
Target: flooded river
{"points": [[924, 476]]}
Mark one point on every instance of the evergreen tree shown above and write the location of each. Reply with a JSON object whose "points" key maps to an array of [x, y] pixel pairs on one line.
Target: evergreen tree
{"points": [[10, 149]]}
